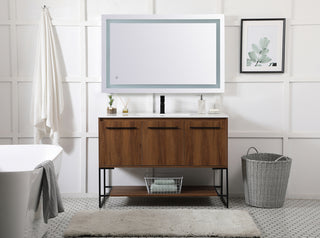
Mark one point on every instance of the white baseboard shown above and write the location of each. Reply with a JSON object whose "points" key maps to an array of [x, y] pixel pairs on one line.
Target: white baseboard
{"points": [[303, 196], [77, 195]]}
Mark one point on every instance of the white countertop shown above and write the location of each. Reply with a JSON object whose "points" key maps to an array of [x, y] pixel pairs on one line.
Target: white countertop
{"points": [[167, 115]]}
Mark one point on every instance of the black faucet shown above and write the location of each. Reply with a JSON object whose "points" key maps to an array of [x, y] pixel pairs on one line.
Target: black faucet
{"points": [[162, 108]]}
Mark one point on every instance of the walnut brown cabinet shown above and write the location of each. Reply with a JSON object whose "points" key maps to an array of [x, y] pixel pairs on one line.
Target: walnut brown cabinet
{"points": [[206, 142], [120, 143], [162, 142], [194, 142]]}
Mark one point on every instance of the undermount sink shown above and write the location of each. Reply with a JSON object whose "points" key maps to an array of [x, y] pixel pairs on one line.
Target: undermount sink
{"points": [[163, 115], [176, 114], [167, 115]]}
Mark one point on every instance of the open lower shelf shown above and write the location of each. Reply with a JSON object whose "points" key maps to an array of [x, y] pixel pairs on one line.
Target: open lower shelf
{"points": [[141, 191]]}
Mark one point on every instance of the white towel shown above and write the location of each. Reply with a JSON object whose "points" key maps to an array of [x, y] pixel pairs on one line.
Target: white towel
{"points": [[47, 86]]}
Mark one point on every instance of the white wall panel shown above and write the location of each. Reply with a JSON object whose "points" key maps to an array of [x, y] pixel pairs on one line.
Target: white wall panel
{"points": [[259, 9], [95, 8], [304, 178], [128, 176], [5, 57], [306, 51], [232, 52], [187, 6], [27, 38], [69, 39], [138, 103], [28, 10], [306, 9], [4, 10], [59, 9], [97, 105], [237, 148], [5, 109], [25, 99], [254, 106], [25, 141], [191, 176], [94, 51], [5, 141], [30, 140], [64, 9], [70, 173], [93, 165], [304, 116], [71, 116]]}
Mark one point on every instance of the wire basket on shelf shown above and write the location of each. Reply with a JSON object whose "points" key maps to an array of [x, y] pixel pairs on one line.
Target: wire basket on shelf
{"points": [[158, 185]]}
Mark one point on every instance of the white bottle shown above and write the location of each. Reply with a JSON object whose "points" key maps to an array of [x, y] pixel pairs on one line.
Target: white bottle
{"points": [[201, 105]]}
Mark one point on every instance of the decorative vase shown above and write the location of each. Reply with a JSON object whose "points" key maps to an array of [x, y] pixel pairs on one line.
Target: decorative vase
{"points": [[111, 110], [125, 110]]}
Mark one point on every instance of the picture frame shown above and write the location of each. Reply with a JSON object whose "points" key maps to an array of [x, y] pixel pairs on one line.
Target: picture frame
{"points": [[262, 45]]}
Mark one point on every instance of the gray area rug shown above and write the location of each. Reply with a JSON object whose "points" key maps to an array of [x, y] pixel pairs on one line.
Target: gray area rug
{"points": [[162, 222]]}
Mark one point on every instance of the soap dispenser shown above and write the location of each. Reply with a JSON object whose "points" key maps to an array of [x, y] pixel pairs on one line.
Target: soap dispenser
{"points": [[201, 105]]}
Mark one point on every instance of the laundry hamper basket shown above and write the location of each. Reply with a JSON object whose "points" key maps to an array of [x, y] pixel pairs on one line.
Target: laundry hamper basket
{"points": [[265, 178]]}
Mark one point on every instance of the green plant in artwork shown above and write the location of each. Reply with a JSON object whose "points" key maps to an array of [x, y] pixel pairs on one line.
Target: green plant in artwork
{"points": [[111, 100], [259, 54]]}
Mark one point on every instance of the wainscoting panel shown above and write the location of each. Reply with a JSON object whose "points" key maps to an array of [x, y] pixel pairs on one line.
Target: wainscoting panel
{"points": [[254, 106], [304, 117], [5, 69], [275, 112], [5, 108]]}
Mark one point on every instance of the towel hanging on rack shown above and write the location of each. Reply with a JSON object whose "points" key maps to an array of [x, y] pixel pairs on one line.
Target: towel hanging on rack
{"points": [[48, 101]]}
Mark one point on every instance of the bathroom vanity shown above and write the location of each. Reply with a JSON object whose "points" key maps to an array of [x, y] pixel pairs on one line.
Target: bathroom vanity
{"points": [[169, 140]]}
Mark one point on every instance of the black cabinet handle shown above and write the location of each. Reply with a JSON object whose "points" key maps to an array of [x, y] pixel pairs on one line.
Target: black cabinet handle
{"points": [[163, 128], [206, 127], [121, 128]]}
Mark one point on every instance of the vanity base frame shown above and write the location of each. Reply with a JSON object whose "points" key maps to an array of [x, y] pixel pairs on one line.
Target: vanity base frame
{"points": [[199, 141], [186, 191]]}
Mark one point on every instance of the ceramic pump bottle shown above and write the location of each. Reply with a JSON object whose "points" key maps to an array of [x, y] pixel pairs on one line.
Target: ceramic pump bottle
{"points": [[201, 105]]}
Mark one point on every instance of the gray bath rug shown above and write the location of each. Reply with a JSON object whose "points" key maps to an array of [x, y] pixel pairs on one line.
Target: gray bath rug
{"points": [[162, 222]]}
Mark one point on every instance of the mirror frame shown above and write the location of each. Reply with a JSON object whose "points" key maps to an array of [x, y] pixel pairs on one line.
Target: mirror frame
{"points": [[163, 88]]}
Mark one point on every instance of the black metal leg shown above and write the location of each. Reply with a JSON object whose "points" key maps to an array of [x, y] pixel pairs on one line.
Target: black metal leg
{"points": [[104, 195], [224, 197], [221, 180], [104, 181], [227, 187], [99, 171]]}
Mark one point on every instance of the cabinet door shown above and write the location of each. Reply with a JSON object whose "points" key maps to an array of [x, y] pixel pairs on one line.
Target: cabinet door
{"points": [[119, 142], [162, 142], [206, 142]]}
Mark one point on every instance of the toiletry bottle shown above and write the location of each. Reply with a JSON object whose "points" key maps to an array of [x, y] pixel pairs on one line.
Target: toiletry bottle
{"points": [[162, 99], [201, 105]]}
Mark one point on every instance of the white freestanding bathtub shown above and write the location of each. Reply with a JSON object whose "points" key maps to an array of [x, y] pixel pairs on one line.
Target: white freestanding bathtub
{"points": [[20, 209]]}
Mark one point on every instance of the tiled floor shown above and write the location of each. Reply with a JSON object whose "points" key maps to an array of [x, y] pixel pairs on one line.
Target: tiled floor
{"points": [[297, 218]]}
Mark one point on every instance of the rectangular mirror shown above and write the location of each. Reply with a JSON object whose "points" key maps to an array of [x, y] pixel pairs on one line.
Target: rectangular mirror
{"points": [[162, 54]]}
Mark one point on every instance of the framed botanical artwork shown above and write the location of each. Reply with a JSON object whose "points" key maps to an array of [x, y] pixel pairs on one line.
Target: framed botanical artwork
{"points": [[262, 45]]}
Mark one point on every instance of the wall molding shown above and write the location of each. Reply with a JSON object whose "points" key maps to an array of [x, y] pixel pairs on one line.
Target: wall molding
{"points": [[84, 80], [230, 22], [231, 135]]}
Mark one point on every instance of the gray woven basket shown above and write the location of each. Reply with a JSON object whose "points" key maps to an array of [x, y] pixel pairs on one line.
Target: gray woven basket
{"points": [[265, 178]]}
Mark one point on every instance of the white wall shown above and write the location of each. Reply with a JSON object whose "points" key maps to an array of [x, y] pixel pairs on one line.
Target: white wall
{"points": [[274, 112]]}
